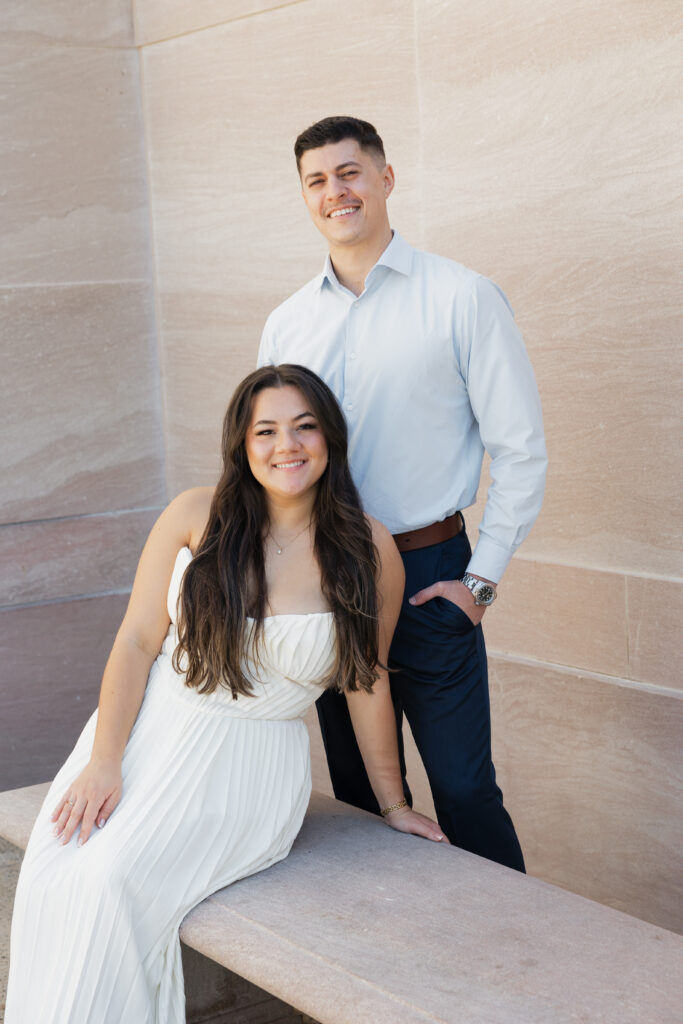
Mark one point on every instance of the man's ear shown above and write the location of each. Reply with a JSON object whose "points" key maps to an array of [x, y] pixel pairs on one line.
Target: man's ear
{"points": [[389, 180]]}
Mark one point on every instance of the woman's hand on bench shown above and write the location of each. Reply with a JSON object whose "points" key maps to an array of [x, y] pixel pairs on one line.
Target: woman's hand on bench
{"points": [[407, 820]]}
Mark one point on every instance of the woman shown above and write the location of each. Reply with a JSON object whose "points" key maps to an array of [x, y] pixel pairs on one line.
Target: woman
{"points": [[194, 772]]}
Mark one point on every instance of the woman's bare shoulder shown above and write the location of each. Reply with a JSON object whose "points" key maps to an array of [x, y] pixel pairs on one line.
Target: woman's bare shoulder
{"points": [[380, 534], [190, 510], [389, 556]]}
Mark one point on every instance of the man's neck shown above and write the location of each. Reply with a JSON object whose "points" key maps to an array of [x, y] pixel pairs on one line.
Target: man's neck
{"points": [[352, 264]]}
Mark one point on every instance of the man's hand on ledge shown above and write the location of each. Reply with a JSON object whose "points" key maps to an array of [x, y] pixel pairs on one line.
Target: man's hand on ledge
{"points": [[455, 591]]}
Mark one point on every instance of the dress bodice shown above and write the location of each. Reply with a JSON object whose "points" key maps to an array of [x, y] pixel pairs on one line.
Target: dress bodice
{"points": [[296, 653]]}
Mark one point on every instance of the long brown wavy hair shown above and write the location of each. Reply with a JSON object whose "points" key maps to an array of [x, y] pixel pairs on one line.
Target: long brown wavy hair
{"points": [[224, 592]]}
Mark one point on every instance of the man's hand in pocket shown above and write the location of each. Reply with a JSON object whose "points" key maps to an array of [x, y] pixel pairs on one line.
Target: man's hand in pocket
{"points": [[455, 591]]}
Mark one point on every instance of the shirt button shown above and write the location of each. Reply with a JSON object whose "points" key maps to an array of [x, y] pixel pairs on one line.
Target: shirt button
{"points": [[353, 355], [349, 406]]}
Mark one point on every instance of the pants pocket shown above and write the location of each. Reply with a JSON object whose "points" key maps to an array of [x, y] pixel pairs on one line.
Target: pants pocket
{"points": [[459, 621]]}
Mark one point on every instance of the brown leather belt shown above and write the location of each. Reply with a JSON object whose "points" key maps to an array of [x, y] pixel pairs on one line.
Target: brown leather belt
{"points": [[435, 533]]}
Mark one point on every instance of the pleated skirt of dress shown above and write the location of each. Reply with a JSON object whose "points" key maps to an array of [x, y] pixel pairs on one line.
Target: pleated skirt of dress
{"points": [[208, 798]]}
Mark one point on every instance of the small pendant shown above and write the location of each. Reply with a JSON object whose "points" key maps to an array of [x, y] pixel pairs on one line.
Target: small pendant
{"points": [[279, 551]]}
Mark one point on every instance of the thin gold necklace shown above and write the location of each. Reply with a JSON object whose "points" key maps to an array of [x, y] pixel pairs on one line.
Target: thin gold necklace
{"points": [[283, 547]]}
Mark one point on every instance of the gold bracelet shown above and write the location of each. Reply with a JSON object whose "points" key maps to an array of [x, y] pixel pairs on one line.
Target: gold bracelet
{"points": [[394, 807]]}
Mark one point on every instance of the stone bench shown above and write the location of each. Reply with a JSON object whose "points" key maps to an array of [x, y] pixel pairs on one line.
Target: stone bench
{"points": [[361, 925]]}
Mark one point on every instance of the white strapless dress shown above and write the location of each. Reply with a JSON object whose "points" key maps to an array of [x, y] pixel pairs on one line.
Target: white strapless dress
{"points": [[214, 789]]}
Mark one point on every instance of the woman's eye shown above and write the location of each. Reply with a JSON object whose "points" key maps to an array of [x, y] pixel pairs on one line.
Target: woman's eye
{"points": [[307, 426]]}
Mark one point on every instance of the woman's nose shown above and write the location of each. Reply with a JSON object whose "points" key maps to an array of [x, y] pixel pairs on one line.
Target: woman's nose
{"points": [[288, 441]]}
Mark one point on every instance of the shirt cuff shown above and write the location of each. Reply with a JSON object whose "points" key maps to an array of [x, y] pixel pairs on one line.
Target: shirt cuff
{"points": [[489, 560]]}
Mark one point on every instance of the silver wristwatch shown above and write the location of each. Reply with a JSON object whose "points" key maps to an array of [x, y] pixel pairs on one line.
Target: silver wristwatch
{"points": [[483, 593]]}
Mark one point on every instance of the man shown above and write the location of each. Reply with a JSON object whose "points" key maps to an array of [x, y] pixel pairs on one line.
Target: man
{"points": [[429, 367]]}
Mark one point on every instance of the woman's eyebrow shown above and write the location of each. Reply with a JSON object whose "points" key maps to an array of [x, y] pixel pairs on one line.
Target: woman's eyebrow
{"points": [[295, 418]]}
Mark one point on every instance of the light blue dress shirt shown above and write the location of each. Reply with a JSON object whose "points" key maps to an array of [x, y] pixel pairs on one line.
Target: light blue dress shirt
{"points": [[430, 370]]}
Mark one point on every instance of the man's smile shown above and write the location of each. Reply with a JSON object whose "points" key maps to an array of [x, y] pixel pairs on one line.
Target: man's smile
{"points": [[343, 211]]}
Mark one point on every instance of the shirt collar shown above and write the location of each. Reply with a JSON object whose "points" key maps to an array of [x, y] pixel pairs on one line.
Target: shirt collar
{"points": [[397, 256]]}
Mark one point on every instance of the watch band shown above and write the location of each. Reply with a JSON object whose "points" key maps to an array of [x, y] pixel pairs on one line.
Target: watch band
{"points": [[484, 593]]}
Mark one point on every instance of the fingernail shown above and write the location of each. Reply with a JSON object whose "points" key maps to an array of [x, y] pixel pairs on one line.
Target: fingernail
{"points": [[55, 830], [101, 823], [411, 600], [81, 840], [63, 841]]}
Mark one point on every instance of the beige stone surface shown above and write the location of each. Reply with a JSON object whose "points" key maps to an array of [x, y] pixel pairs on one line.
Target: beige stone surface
{"points": [[80, 415], [52, 657], [559, 169], [200, 332], [563, 615], [516, 29], [618, 624], [592, 773], [157, 20], [425, 932], [321, 776], [517, 950], [57, 559], [214, 995], [232, 237], [655, 620], [525, 951], [73, 163], [105, 22], [18, 811]]}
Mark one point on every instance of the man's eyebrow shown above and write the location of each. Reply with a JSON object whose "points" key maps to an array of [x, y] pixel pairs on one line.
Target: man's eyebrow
{"points": [[338, 168], [295, 418]]}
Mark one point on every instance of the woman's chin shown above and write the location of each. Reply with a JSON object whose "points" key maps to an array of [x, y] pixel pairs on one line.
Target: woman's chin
{"points": [[291, 490]]}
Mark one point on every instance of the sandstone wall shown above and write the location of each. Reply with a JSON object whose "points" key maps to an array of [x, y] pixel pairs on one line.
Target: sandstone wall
{"points": [[82, 458]]}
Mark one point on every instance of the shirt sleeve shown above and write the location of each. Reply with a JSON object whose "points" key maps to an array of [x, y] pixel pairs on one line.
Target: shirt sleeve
{"points": [[506, 405], [267, 353]]}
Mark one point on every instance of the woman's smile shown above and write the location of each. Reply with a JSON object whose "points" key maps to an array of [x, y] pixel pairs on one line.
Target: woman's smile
{"points": [[290, 465]]}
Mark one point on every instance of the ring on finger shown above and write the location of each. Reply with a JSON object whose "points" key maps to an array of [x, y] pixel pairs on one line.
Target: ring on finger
{"points": [[71, 802]]}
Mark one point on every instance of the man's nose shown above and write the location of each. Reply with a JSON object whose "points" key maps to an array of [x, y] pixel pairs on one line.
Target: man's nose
{"points": [[335, 187]]}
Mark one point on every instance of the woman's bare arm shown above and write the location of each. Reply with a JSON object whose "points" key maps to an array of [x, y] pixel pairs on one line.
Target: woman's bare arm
{"points": [[372, 714], [97, 790]]}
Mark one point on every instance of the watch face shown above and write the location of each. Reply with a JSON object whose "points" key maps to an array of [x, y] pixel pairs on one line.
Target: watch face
{"points": [[485, 594]]}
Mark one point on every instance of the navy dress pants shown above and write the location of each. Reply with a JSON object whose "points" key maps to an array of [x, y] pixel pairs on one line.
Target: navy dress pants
{"points": [[439, 680]]}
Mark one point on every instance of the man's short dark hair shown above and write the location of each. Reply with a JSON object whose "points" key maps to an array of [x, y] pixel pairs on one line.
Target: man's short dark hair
{"points": [[335, 129]]}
